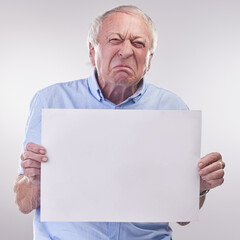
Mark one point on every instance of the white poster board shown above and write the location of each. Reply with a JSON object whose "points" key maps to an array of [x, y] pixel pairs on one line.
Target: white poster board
{"points": [[120, 165]]}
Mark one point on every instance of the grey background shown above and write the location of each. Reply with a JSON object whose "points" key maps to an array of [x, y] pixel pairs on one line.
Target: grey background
{"points": [[198, 57]]}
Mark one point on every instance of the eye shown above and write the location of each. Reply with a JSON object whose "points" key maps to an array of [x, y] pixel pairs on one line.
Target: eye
{"points": [[114, 40], [138, 44]]}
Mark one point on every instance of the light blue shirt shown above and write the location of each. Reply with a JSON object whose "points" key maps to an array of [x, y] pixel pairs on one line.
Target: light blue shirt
{"points": [[85, 93]]}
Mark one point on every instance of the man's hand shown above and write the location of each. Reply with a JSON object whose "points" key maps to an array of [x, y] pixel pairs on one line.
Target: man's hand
{"points": [[211, 171], [31, 158]]}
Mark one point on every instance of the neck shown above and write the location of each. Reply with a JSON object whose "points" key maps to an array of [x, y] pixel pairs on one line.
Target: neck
{"points": [[118, 94]]}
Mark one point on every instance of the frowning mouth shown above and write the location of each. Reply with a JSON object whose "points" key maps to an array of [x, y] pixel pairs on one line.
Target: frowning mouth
{"points": [[123, 67]]}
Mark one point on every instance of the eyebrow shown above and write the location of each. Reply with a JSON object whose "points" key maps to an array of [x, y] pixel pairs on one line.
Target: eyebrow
{"points": [[118, 34], [132, 37]]}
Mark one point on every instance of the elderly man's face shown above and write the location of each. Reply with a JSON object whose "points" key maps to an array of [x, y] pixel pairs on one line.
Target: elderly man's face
{"points": [[122, 56]]}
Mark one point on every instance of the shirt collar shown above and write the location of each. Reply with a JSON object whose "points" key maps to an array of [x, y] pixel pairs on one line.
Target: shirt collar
{"points": [[94, 87], [138, 94], [97, 93]]}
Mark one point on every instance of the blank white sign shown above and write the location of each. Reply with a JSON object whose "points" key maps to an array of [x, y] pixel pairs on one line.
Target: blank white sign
{"points": [[120, 165]]}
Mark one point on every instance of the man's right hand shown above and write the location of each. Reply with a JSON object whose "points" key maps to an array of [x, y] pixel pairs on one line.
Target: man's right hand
{"points": [[32, 157]]}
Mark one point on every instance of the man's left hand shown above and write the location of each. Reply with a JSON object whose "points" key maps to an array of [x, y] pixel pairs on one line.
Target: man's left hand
{"points": [[211, 171]]}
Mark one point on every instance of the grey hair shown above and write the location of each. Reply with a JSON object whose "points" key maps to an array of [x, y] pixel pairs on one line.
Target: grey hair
{"points": [[129, 9]]}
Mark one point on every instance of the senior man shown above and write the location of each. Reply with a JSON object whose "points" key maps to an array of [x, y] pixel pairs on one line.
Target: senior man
{"points": [[121, 46]]}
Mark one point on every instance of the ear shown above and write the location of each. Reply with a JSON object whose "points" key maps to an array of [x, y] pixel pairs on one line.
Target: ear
{"points": [[92, 54], [149, 61]]}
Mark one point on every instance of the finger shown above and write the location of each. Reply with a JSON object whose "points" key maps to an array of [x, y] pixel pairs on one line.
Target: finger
{"points": [[209, 159], [31, 172], [211, 168], [30, 164], [33, 147], [222, 164], [34, 156], [214, 175], [215, 183]]}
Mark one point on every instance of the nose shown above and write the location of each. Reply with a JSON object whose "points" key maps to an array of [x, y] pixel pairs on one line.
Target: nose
{"points": [[125, 50]]}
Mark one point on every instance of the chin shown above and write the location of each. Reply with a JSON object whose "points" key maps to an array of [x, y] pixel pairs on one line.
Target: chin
{"points": [[123, 76]]}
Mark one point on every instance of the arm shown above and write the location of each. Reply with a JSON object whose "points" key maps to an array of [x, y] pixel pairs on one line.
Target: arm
{"points": [[211, 175], [27, 194], [27, 186]]}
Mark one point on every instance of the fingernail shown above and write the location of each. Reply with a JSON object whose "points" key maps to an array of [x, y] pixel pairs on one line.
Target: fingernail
{"points": [[44, 159], [42, 151], [200, 164]]}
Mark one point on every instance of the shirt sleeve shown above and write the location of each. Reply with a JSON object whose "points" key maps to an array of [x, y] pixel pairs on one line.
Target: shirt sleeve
{"points": [[33, 126]]}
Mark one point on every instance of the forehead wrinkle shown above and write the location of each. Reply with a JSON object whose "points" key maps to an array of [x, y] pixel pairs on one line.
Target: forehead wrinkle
{"points": [[112, 28]]}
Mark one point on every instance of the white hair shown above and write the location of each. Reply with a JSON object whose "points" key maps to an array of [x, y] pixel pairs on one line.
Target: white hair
{"points": [[129, 9]]}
